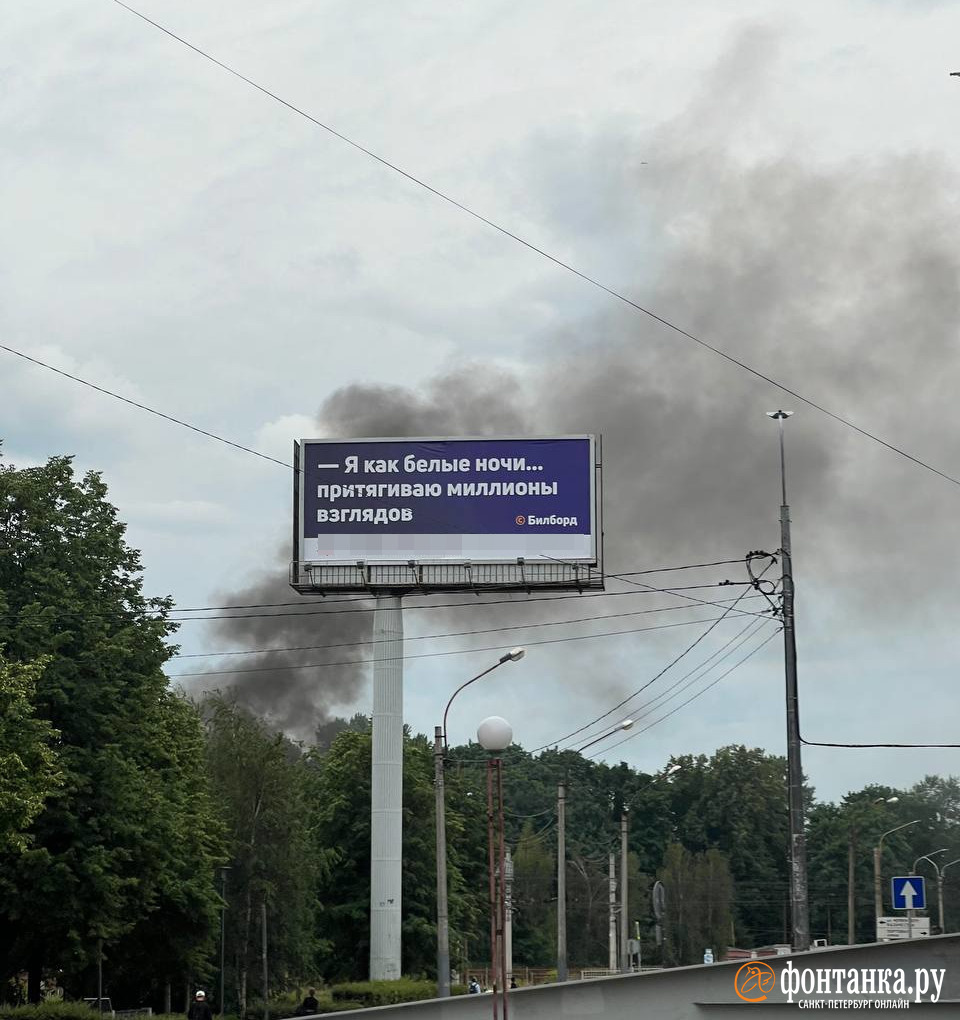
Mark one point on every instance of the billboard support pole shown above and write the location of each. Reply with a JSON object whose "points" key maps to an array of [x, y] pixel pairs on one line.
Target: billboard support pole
{"points": [[386, 800]]}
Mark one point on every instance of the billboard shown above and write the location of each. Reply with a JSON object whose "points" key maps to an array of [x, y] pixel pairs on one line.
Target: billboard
{"points": [[499, 500]]}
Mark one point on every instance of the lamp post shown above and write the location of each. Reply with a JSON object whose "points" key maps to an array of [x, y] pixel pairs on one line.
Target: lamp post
{"points": [[877, 863], [799, 902], [495, 734], [937, 869], [624, 907], [439, 750], [949, 864]]}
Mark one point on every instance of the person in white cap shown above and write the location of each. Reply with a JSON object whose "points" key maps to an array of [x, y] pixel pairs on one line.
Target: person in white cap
{"points": [[200, 1008]]}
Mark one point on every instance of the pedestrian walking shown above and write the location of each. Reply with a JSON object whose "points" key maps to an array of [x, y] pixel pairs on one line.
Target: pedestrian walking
{"points": [[200, 1008]]}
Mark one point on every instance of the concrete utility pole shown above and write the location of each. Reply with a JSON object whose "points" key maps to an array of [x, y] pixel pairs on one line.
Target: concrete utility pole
{"points": [[443, 916], [612, 937], [851, 878], [624, 907], [949, 864], [386, 807], [561, 883], [266, 984], [508, 911], [799, 903]]}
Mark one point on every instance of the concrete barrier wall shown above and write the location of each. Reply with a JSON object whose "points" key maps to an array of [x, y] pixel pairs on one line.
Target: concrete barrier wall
{"points": [[685, 993]]}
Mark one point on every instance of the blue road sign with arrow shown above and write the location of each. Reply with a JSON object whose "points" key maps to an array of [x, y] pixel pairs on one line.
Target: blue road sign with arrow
{"points": [[907, 892]]}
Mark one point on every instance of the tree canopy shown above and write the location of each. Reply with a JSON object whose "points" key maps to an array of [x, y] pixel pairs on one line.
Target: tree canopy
{"points": [[134, 820]]}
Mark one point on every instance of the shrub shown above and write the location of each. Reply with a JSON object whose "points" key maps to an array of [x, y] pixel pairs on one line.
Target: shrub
{"points": [[387, 993], [53, 1009]]}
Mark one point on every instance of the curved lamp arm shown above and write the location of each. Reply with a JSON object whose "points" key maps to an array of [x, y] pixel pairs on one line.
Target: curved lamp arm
{"points": [[927, 857], [897, 829], [514, 655]]}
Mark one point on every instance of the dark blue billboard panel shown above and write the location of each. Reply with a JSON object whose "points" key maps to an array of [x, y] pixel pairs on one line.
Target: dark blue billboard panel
{"points": [[494, 500]]}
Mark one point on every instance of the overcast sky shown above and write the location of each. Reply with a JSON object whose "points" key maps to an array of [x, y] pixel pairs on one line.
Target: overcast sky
{"points": [[779, 180]]}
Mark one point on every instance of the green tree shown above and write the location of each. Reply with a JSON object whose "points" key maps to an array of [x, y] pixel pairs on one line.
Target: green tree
{"points": [[260, 784], [837, 833], [99, 855], [698, 891], [173, 941], [534, 902], [28, 763], [736, 801]]}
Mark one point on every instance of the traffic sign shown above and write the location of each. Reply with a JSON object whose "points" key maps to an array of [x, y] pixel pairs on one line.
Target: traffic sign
{"points": [[892, 929], [907, 892]]}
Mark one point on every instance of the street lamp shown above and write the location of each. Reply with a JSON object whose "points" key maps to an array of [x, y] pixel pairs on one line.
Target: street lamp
{"points": [[625, 725], [949, 864], [877, 851], [495, 734], [799, 901], [939, 871], [439, 749]]}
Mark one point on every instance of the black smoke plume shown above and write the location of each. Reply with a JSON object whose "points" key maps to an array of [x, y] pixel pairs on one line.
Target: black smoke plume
{"points": [[841, 281]]}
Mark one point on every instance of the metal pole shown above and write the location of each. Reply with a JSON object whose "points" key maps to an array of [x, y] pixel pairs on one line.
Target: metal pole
{"points": [[878, 863], [263, 955], [502, 889], [851, 911], [624, 908], [612, 927], [940, 897], [100, 976], [386, 800], [877, 890], [508, 930], [223, 934], [949, 864], [800, 911], [443, 919], [491, 860], [561, 883]]}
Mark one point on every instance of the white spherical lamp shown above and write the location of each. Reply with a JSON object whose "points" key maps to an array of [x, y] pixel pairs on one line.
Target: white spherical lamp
{"points": [[494, 733]]}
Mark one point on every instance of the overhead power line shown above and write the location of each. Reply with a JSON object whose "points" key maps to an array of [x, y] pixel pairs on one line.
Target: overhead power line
{"points": [[657, 676], [458, 633], [824, 744], [689, 680], [432, 655], [693, 697], [542, 252], [458, 605], [144, 407], [472, 605], [693, 675]]}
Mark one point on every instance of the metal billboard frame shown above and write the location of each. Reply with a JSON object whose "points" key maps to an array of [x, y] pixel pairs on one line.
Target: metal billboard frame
{"points": [[435, 576]]}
